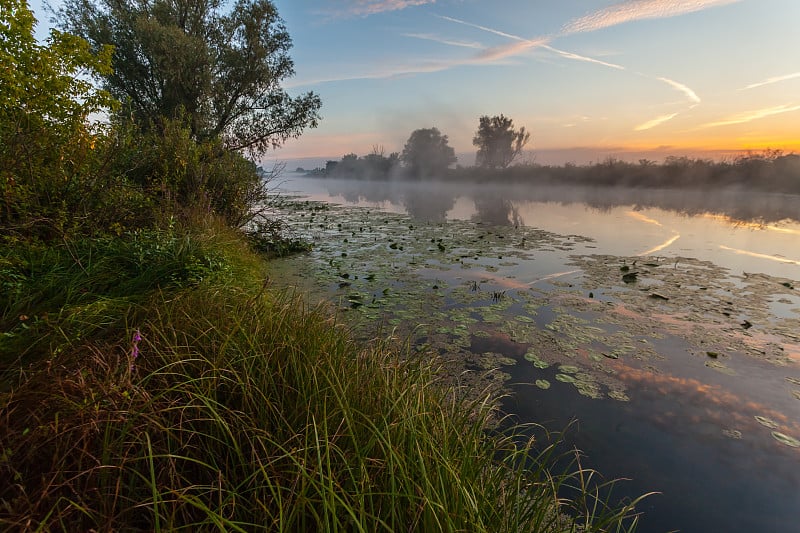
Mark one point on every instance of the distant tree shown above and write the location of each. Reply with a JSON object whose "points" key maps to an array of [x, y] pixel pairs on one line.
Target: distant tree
{"points": [[498, 142], [426, 153], [221, 72]]}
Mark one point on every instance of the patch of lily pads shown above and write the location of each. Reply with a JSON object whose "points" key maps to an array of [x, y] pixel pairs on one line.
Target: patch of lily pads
{"points": [[441, 287]]}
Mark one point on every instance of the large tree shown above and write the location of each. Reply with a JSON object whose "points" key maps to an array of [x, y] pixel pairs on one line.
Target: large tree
{"points": [[426, 153], [220, 71], [498, 142]]}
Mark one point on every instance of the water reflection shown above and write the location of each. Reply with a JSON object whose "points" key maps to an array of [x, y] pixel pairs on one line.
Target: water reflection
{"points": [[498, 203]]}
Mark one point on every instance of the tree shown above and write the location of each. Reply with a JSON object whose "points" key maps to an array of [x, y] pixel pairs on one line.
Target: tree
{"points": [[221, 72], [426, 153], [498, 142], [46, 141]]}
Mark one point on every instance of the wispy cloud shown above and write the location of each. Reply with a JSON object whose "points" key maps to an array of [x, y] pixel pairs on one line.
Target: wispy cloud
{"points": [[365, 8], [770, 81], [522, 44], [655, 122], [689, 93], [443, 40], [484, 28], [750, 116], [577, 57], [632, 10]]}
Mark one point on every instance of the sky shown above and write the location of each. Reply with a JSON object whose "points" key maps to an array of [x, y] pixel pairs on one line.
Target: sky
{"points": [[590, 79]]}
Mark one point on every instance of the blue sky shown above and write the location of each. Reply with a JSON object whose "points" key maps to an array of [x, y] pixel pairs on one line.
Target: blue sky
{"points": [[589, 79]]}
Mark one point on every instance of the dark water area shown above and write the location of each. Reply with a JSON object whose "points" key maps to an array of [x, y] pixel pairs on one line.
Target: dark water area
{"points": [[661, 328]]}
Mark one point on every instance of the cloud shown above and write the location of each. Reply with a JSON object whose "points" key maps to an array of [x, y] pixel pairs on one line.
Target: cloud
{"points": [[690, 94], [365, 8], [484, 28], [655, 122], [633, 10], [770, 81], [522, 44], [442, 40], [749, 116], [576, 57]]}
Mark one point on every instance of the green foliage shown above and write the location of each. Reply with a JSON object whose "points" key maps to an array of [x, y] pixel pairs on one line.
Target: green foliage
{"points": [[427, 154], [48, 156], [374, 165], [498, 142], [181, 174], [221, 71], [219, 406], [61, 287]]}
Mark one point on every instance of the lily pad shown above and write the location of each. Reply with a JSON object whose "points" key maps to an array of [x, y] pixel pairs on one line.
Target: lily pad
{"points": [[543, 384], [618, 395], [786, 439], [565, 378], [732, 433], [766, 422]]}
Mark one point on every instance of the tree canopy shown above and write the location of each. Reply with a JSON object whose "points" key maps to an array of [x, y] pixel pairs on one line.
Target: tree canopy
{"points": [[498, 142], [220, 71], [426, 153], [46, 141]]}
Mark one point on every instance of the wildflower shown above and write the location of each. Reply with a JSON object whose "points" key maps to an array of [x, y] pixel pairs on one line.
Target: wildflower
{"points": [[137, 336]]}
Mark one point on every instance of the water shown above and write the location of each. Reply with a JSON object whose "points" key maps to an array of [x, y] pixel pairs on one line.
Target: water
{"points": [[685, 380]]}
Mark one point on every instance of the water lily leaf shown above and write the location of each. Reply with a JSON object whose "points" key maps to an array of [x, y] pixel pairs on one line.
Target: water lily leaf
{"points": [[565, 378], [618, 395], [568, 369], [543, 384], [732, 433], [766, 422], [786, 439]]}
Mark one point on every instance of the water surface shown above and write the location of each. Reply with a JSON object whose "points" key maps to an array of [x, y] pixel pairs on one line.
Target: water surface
{"points": [[666, 323]]}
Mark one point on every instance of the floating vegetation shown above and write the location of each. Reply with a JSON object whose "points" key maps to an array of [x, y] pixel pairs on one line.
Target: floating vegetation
{"points": [[531, 356], [484, 299], [618, 395], [796, 394], [732, 433], [786, 439], [719, 367], [766, 422]]}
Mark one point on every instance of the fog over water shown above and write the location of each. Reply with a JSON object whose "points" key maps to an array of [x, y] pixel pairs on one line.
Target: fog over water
{"points": [[684, 377]]}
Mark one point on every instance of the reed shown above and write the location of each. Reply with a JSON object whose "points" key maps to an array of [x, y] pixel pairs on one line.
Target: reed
{"points": [[159, 402]]}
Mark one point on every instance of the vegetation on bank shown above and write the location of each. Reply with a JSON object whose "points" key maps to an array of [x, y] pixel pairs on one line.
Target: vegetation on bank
{"points": [[184, 391], [768, 171], [153, 377]]}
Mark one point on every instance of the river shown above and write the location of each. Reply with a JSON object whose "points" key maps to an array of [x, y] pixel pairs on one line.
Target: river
{"points": [[660, 328]]}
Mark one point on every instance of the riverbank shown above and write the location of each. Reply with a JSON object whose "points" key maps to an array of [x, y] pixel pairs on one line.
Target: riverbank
{"points": [[163, 379]]}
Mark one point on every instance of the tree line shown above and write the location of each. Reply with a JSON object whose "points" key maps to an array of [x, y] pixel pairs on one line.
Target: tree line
{"points": [[427, 153]]}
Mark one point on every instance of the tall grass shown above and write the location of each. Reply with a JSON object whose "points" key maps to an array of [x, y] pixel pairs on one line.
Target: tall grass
{"points": [[228, 404]]}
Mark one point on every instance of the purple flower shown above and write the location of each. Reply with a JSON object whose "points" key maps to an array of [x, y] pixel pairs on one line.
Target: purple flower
{"points": [[137, 336]]}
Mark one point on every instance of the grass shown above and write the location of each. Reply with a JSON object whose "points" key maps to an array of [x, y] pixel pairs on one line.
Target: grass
{"points": [[242, 408]]}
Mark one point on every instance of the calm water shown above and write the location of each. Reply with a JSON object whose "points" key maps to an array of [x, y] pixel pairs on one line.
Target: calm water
{"points": [[684, 378]]}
